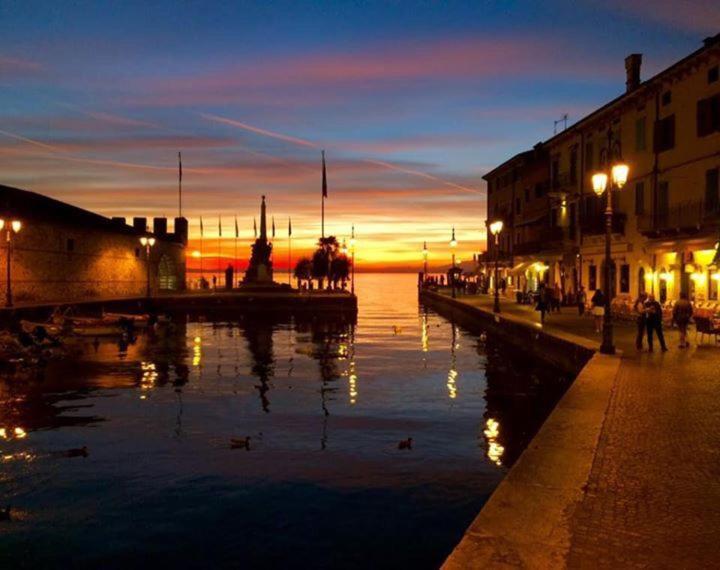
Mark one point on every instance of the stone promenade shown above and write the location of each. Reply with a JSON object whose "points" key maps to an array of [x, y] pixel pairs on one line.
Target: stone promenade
{"points": [[625, 473]]}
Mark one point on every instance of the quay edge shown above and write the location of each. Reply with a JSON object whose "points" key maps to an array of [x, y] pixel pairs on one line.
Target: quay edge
{"points": [[526, 522]]}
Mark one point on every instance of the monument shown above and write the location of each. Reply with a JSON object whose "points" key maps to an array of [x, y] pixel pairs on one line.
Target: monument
{"points": [[259, 271]]}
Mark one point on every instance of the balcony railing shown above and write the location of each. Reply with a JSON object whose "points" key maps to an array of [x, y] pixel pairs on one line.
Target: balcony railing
{"points": [[593, 223], [685, 217], [539, 239]]}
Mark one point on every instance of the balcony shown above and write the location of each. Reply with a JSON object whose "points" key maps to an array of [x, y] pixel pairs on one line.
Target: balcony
{"points": [[683, 218], [540, 239], [594, 224]]}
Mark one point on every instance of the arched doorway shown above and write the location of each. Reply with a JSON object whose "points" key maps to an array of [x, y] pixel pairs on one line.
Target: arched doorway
{"points": [[167, 274]]}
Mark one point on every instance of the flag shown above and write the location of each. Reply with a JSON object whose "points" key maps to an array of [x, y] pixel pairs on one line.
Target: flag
{"points": [[324, 177], [219, 227], [255, 228], [202, 231], [289, 227], [273, 227], [237, 232]]}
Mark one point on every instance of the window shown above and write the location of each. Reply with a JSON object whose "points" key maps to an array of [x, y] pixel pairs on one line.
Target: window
{"points": [[555, 172], [712, 287], [527, 194], [573, 165], [640, 143], [713, 74], [489, 186], [712, 191], [539, 190], [589, 156], [639, 198], [592, 277], [708, 116], [625, 278], [666, 98], [518, 204], [70, 246], [665, 134], [553, 217]]}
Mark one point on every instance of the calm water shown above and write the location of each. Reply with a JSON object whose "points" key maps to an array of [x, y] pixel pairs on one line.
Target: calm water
{"points": [[325, 403]]}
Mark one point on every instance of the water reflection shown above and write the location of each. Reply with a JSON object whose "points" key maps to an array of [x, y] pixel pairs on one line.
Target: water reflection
{"points": [[325, 401]]}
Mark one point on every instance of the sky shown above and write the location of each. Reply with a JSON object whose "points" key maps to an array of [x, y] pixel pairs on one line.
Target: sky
{"points": [[412, 101]]}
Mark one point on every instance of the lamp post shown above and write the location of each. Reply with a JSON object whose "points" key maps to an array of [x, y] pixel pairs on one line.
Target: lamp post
{"points": [[453, 245], [148, 242], [425, 258], [602, 182], [495, 229], [352, 253], [10, 227]]}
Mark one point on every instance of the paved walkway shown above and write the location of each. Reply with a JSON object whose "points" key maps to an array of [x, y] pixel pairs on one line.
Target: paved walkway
{"points": [[652, 494]]}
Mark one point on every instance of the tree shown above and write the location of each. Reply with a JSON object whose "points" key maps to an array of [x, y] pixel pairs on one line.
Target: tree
{"points": [[303, 270], [340, 269], [326, 252]]}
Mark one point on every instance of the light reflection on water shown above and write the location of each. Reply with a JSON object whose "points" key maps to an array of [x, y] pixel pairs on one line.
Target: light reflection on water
{"points": [[324, 403]]}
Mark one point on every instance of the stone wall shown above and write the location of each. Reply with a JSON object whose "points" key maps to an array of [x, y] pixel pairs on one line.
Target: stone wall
{"points": [[52, 262]]}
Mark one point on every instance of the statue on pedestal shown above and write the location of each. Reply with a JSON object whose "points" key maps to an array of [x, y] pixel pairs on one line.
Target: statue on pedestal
{"points": [[260, 268]]}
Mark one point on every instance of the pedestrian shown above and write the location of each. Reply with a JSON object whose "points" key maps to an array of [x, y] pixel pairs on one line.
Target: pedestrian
{"points": [[542, 301], [598, 309], [640, 319], [581, 300], [653, 310], [682, 313]]}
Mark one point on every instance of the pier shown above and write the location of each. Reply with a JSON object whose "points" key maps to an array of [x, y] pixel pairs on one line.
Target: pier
{"points": [[622, 471]]}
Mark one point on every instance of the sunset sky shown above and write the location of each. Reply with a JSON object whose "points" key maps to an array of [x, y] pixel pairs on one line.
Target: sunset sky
{"points": [[413, 102]]}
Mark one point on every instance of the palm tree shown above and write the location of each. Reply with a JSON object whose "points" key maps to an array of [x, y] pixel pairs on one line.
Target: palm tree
{"points": [[340, 270], [328, 249], [303, 270]]}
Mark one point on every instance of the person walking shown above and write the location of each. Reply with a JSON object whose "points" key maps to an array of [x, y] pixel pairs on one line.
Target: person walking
{"points": [[581, 300], [543, 301], [640, 319], [653, 310], [682, 313], [598, 309]]}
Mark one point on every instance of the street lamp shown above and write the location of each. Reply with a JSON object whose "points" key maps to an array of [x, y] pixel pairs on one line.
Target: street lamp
{"points": [[10, 228], [425, 258], [495, 229], [601, 182], [147, 242], [352, 252], [453, 245]]}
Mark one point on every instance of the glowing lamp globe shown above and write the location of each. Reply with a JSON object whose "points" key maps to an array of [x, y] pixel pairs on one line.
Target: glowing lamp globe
{"points": [[599, 183], [620, 174], [496, 227]]}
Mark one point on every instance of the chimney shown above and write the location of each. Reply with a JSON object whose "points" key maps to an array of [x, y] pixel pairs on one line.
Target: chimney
{"points": [[118, 220], [160, 227], [140, 224], [632, 71]]}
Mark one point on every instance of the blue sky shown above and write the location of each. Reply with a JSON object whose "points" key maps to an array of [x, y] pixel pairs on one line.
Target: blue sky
{"points": [[413, 101]]}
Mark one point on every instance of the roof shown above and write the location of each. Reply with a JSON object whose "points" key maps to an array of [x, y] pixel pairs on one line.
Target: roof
{"points": [[525, 155], [708, 44], [27, 205]]}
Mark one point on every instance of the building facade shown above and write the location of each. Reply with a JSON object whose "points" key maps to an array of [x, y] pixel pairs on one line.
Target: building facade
{"points": [[666, 219], [63, 253]]}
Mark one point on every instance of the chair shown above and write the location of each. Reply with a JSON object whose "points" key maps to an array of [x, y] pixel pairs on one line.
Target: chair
{"points": [[704, 325]]}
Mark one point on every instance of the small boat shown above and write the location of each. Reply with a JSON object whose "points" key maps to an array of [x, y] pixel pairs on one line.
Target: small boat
{"points": [[78, 327], [136, 319]]}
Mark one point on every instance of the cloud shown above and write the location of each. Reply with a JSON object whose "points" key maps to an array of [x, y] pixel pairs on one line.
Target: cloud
{"points": [[17, 66]]}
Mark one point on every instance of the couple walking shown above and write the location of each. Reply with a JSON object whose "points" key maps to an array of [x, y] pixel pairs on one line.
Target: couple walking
{"points": [[649, 320], [648, 313]]}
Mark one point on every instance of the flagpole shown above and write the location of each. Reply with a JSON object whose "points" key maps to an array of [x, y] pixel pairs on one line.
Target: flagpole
{"points": [[322, 200], [179, 185], [202, 275], [289, 253], [219, 269]]}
